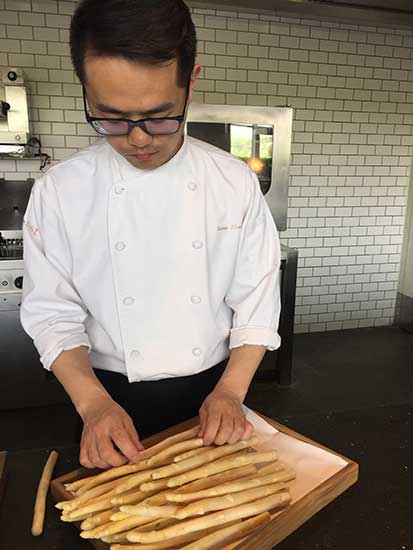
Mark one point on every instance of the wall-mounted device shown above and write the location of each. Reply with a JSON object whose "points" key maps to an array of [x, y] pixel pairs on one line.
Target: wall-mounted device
{"points": [[14, 116]]}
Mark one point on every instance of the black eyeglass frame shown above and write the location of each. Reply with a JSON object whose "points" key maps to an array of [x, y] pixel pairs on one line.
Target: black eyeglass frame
{"points": [[141, 123]]}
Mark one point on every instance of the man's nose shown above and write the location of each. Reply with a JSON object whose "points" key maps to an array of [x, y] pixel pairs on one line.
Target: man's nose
{"points": [[139, 138]]}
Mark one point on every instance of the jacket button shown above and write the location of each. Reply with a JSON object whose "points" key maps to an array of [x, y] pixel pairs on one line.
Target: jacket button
{"points": [[197, 352], [192, 186], [119, 190], [135, 354], [120, 246], [196, 299], [128, 301], [197, 244]]}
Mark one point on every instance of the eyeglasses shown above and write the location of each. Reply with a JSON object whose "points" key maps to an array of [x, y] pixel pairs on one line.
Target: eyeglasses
{"points": [[157, 126]]}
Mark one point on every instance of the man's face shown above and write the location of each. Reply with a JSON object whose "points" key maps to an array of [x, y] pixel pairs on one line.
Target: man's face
{"points": [[118, 88]]}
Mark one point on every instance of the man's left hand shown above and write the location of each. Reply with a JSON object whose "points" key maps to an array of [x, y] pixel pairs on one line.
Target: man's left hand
{"points": [[222, 419]]}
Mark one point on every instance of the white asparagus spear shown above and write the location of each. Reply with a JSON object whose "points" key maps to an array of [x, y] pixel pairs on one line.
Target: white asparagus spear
{"points": [[271, 468], [114, 527], [216, 518], [189, 454], [175, 449], [130, 498], [213, 504], [217, 479], [228, 464], [203, 458], [167, 511], [40, 502], [65, 517], [136, 480], [74, 486], [154, 486], [159, 499], [119, 539], [92, 494], [98, 505], [231, 487], [164, 457], [118, 516], [221, 538], [133, 481], [181, 436], [171, 543], [156, 524], [97, 519], [112, 474]]}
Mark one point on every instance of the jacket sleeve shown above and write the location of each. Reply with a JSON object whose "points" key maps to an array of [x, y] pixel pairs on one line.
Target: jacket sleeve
{"points": [[52, 312], [254, 295]]}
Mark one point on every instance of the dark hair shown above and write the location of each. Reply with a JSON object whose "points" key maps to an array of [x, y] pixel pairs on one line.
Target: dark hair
{"points": [[150, 31]]}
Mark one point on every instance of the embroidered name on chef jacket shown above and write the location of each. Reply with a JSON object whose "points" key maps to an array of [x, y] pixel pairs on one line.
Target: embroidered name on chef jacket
{"points": [[228, 227]]}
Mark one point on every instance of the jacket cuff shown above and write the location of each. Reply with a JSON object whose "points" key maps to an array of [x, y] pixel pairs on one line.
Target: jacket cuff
{"points": [[258, 336], [50, 356]]}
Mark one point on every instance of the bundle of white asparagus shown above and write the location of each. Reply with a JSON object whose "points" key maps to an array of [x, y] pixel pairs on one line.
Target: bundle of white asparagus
{"points": [[181, 495]]}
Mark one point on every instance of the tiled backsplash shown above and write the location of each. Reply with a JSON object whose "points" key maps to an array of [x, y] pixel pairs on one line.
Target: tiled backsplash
{"points": [[352, 92]]}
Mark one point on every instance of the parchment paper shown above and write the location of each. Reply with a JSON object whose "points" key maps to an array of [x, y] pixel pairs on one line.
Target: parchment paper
{"points": [[311, 464]]}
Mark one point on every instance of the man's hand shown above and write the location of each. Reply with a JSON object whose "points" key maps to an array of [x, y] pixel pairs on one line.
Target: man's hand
{"points": [[106, 424], [222, 419], [222, 416]]}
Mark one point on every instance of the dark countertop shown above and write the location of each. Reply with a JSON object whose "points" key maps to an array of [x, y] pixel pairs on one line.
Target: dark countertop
{"points": [[373, 514], [352, 391]]}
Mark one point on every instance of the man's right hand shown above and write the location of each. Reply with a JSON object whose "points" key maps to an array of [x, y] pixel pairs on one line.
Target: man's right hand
{"points": [[106, 425]]}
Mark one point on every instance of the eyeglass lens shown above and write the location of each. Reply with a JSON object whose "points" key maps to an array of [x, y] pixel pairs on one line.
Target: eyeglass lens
{"points": [[122, 127]]}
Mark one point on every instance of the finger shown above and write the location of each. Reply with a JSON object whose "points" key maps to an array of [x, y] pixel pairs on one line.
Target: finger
{"points": [[125, 444], [249, 430], [108, 453], [225, 430], [84, 457], [213, 423], [95, 457], [133, 434], [203, 415], [85, 462], [237, 431]]}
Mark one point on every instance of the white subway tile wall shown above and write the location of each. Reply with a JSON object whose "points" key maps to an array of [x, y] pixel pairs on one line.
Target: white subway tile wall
{"points": [[351, 88]]}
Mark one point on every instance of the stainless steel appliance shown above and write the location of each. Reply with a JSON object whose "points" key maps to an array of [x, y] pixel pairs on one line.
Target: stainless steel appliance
{"points": [[14, 196], [373, 13], [260, 136], [14, 117]]}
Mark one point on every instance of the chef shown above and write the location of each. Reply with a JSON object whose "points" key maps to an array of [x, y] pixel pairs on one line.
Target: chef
{"points": [[151, 258]]}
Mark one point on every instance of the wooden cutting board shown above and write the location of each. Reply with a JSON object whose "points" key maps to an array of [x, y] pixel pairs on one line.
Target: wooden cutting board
{"points": [[284, 523]]}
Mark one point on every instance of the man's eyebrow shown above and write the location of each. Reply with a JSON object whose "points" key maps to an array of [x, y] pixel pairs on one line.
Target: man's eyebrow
{"points": [[155, 111]]}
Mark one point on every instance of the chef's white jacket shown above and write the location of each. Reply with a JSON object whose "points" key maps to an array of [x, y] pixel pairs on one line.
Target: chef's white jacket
{"points": [[158, 272]]}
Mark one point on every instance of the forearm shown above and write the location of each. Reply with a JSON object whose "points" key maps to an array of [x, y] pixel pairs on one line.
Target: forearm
{"points": [[242, 365], [73, 370]]}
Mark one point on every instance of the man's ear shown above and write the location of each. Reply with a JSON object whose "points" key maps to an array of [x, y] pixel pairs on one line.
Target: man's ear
{"points": [[195, 74]]}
